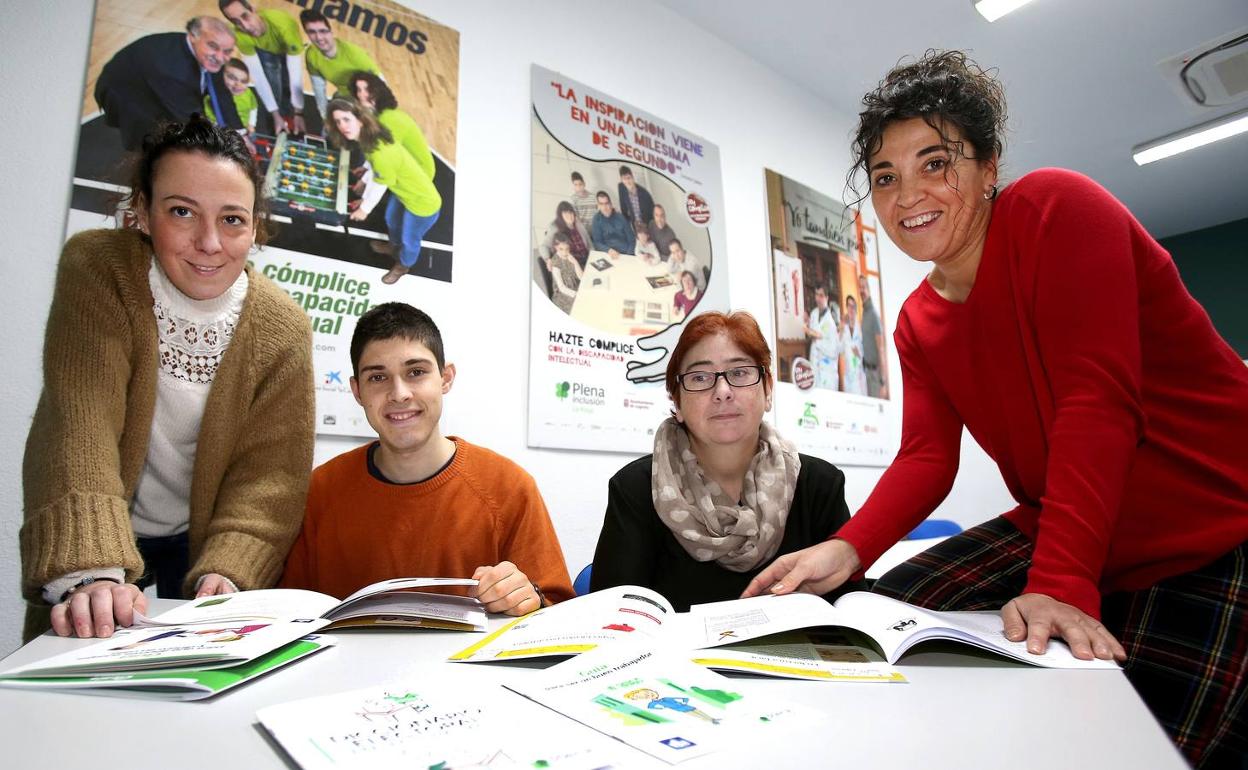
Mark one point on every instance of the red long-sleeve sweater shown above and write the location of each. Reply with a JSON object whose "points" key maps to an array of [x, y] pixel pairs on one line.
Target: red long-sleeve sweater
{"points": [[1117, 415]]}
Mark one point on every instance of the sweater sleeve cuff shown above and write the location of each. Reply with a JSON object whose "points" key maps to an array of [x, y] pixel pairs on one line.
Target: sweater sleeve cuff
{"points": [[1075, 592], [868, 549], [79, 531], [244, 560], [53, 590]]}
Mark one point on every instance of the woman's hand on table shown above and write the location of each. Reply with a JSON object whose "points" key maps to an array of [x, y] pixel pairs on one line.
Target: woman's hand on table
{"points": [[1038, 617], [97, 609], [816, 570], [212, 584], [504, 588]]}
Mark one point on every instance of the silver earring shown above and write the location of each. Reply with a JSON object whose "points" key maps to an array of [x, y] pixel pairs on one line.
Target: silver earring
{"points": [[991, 194]]}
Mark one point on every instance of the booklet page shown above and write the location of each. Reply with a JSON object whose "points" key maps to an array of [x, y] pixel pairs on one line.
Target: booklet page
{"points": [[578, 625], [660, 703], [426, 722]]}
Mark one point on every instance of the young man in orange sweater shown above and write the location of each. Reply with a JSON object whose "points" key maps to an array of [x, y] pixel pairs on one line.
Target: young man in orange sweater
{"points": [[415, 502]]}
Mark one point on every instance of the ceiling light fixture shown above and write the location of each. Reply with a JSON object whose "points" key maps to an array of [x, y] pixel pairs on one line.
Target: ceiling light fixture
{"points": [[995, 9], [1191, 138]]}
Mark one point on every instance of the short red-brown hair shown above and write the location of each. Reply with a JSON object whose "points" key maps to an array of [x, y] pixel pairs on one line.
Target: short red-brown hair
{"points": [[739, 326]]}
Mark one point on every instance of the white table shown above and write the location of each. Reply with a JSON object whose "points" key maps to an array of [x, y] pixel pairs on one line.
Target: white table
{"points": [[902, 552], [624, 301], [960, 710]]}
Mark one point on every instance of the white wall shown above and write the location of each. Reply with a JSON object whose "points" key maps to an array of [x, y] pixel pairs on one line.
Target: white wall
{"points": [[690, 78]]}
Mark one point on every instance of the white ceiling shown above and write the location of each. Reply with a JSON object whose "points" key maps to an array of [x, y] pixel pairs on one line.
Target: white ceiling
{"points": [[1081, 78]]}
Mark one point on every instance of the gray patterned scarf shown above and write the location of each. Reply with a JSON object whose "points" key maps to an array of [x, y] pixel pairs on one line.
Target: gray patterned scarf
{"points": [[706, 522]]}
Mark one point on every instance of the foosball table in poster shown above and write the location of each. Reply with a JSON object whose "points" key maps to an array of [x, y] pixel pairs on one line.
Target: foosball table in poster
{"points": [[305, 178]]}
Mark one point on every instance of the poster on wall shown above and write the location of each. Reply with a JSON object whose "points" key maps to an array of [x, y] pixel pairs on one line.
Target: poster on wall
{"points": [[360, 215], [627, 244], [832, 383]]}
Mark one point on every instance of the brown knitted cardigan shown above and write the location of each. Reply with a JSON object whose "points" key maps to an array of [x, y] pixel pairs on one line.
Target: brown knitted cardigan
{"points": [[89, 436]]}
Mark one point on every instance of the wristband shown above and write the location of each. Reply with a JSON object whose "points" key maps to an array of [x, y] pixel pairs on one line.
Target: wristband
{"points": [[86, 581]]}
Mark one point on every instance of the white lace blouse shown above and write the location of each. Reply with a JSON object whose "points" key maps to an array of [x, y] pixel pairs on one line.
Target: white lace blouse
{"points": [[193, 336]]}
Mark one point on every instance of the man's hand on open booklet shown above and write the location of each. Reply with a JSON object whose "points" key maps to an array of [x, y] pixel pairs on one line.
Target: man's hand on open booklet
{"points": [[98, 608], [1036, 617], [504, 588], [816, 570]]}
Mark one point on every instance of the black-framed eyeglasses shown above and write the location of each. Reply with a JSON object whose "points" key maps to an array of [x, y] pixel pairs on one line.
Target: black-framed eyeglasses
{"points": [[737, 377]]}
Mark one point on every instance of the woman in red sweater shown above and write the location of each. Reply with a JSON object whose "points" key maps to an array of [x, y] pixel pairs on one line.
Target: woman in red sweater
{"points": [[1057, 331]]}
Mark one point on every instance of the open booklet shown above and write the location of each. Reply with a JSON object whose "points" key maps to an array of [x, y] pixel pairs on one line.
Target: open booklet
{"points": [[661, 703], [178, 684], [437, 603], [640, 615], [721, 632], [892, 625], [427, 721]]}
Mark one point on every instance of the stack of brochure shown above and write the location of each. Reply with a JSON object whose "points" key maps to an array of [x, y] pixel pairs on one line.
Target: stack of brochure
{"points": [[183, 661], [211, 644]]}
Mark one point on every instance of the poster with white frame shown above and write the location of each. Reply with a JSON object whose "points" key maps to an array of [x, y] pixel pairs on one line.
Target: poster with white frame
{"points": [[627, 243]]}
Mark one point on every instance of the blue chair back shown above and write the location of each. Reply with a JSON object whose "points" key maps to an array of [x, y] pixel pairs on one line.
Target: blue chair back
{"points": [[934, 528], [581, 584]]}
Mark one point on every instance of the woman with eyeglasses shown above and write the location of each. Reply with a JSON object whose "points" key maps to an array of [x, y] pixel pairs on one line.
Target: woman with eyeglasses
{"points": [[723, 494]]}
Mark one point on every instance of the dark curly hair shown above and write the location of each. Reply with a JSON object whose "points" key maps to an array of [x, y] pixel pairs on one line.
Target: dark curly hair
{"points": [[383, 98], [942, 88], [196, 135]]}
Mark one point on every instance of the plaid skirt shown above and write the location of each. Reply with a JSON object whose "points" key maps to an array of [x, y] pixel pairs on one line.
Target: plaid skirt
{"points": [[1186, 637]]}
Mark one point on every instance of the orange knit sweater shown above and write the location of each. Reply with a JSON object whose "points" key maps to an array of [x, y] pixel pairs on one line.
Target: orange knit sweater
{"points": [[480, 510]]}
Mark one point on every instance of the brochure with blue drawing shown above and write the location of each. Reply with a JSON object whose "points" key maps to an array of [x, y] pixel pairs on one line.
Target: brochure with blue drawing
{"points": [[427, 721], [660, 703]]}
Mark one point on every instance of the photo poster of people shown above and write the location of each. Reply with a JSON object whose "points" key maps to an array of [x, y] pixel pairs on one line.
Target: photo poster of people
{"points": [[355, 220], [831, 356], [627, 244]]}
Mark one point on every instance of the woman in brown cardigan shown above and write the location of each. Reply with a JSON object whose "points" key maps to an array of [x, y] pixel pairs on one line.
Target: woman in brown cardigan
{"points": [[173, 437]]}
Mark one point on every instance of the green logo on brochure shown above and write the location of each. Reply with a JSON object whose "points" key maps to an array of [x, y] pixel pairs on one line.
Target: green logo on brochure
{"points": [[561, 389]]}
